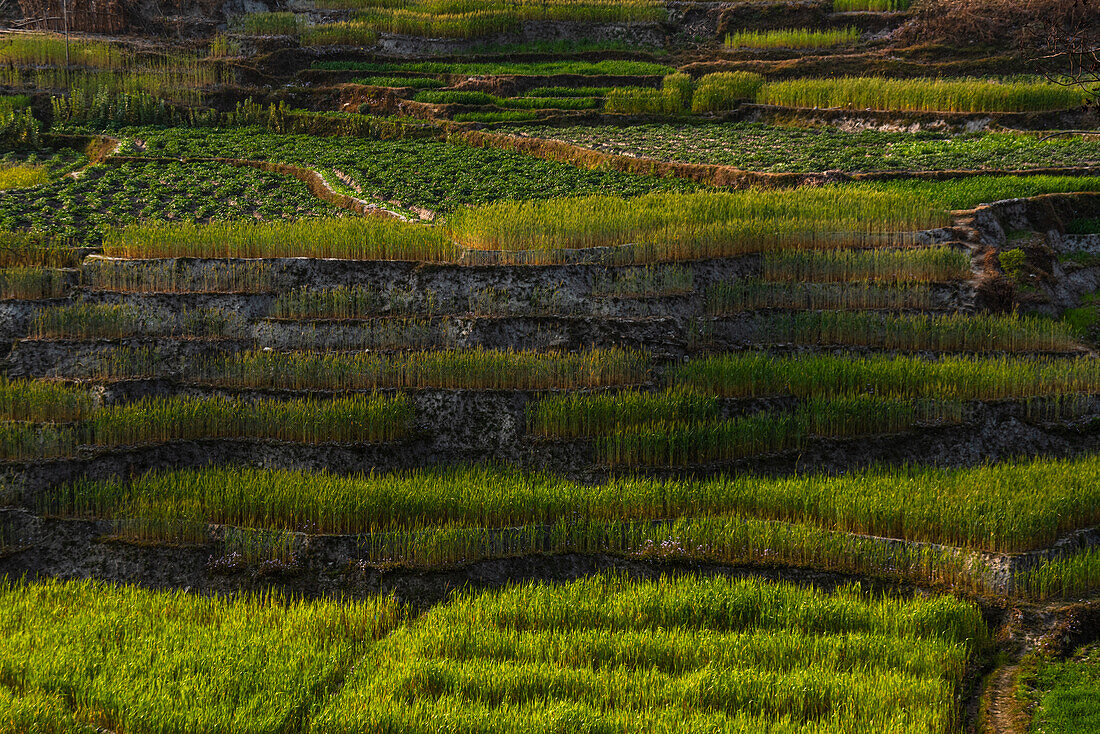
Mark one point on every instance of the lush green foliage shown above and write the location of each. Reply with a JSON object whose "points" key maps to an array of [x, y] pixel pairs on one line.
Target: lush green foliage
{"points": [[1065, 693], [84, 655], [916, 265], [724, 90], [109, 196], [1069, 576], [445, 177], [684, 655], [1010, 506], [771, 148]]}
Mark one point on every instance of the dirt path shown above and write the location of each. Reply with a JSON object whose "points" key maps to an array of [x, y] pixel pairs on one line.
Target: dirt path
{"points": [[1003, 715]]}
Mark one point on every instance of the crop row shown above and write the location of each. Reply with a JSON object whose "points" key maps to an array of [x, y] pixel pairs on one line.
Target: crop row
{"points": [[724, 91], [753, 146], [946, 378], [32, 283], [1006, 507], [527, 658], [354, 419], [792, 38], [725, 299], [1070, 576]]}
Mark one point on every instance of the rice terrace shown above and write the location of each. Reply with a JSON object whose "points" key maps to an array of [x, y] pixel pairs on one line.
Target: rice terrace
{"points": [[550, 366]]}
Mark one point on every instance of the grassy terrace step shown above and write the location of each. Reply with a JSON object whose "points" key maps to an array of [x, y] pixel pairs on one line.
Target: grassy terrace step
{"points": [[866, 660], [351, 419], [1008, 507]]}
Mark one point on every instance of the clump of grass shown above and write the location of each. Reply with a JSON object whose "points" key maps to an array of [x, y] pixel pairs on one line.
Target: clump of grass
{"points": [[931, 95], [334, 303], [1075, 575], [725, 90], [478, 369], [576, 415], [21, 177], [923, 332], [724, 299], [925, 264], [793, 38], [449, 96], [946, 378], [124, 276], [359, 238], [38, 401], [642, 101], [32, 283], [86, 321], [508, 116], [645, 282]]}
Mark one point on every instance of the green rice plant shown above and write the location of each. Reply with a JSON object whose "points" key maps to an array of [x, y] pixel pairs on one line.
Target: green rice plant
{"points": [[28, 441], [269, 24], [645, 282], [548, 103], [575, 415], [931, 95], [86, 321], [80, 652], [365, 238], [510, 116], [969, 192], [620, 655], [330, 303], [726, 299], [642, 101], [847, 6], [916, 265], [448, 96], [924, 332], [476, 369], [32, 283], [353, 419], [125, 276], [680, 84], [1073, 575], [963, 378], [123, 363], [55, 50], [21, 177], [725, 90], [659, 443], [32, 249], [39, 401], [793, 38], [401, 82], [1007, 507], [700, 225], [369, 333]]}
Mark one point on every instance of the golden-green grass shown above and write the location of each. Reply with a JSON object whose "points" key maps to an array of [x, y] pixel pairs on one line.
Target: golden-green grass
{"points": [[21, 177], [86, 655], [792, 38]]}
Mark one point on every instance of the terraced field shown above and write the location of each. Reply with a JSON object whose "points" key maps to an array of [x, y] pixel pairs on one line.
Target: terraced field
{"points": [[557, 367]]}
